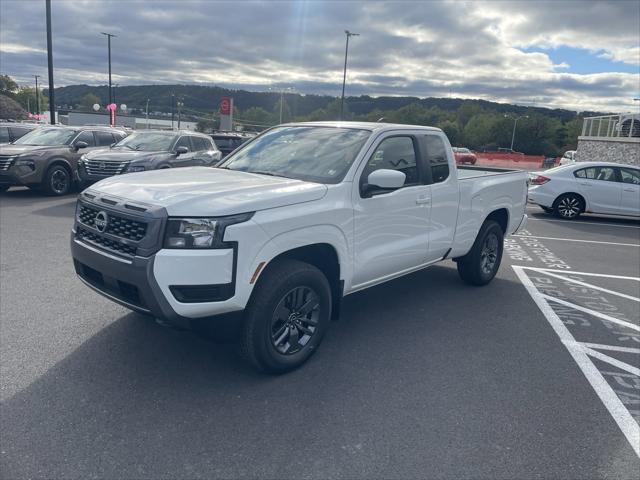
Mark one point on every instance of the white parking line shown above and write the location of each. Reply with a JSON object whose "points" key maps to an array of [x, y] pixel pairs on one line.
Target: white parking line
{"points": [[602, 316], [615, 348], [589, 285], [637, 245], [609, 398], [584, 223], [604, 275]]}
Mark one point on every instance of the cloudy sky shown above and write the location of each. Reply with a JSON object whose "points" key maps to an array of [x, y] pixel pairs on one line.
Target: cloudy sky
{"points": [[582, 55]]}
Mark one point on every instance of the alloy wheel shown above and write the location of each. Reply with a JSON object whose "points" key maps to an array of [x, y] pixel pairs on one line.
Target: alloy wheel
{"points": [[59, 181], [489, 254], [295, 320], [569, 207]]}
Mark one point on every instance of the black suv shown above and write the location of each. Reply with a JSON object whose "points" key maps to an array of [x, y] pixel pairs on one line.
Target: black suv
{"points": [[227, 142], [46, 158], [149, 150], [10, 132]]}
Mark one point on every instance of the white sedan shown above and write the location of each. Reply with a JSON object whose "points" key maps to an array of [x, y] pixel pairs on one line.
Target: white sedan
{"points": [[587, 187]]}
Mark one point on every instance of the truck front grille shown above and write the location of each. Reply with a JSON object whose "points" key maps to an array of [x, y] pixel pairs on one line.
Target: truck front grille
{"points": [[116, 225], [105, 243], [5, 162], [104, 167]]}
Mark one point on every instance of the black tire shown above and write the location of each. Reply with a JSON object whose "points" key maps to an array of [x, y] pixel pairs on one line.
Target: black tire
{"points": [[269, 322], [568, 206], [480, 265], [4, 188], [57, 181], [546, 209]]}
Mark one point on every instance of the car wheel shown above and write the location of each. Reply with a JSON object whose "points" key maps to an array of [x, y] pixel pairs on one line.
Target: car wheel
{"points": [[568, 206], [57, 181], [480, 265], [4, 188], [287, 317]]}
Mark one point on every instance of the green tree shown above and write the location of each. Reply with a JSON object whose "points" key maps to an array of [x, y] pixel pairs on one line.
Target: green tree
{"points": [[452, 131], [7, 86], [26, 97], [480, 131], [258, 116], [89, 100]]}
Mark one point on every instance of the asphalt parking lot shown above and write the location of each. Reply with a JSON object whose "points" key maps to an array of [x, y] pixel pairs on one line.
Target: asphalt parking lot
{"points": [[533, 376]]}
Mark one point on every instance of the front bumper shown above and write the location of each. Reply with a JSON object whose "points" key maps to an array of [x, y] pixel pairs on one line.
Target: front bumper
{"points": [[152, 285], [21, 176]]}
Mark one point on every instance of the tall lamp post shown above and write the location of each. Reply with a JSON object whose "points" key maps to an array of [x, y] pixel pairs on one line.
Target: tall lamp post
{"points": [[282, 92], [513, 134], [344, 75], [37, 96], [52, 105], [109, 35]]}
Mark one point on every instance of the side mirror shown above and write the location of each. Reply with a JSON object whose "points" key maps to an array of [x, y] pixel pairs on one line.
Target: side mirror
{"points": [[386, 179], [181, 150], [79, 145]]}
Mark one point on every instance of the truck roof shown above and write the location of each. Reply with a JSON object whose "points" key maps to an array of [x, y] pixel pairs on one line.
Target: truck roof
{"points": [[372, 126]]}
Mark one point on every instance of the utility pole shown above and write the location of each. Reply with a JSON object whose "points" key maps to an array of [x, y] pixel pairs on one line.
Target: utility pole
{"points": [[180, 104], [147, 114], [109, 35], [513, 134], [52, 105], [344, 75], [37, 96]]}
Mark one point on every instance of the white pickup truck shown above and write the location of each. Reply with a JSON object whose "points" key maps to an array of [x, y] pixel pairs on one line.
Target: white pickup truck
{"points": [[294, 220]]}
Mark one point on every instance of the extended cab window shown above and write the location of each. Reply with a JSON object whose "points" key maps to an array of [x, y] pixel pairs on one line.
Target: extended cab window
{"points": [[437, 157], [200, 144], [394, 153]]}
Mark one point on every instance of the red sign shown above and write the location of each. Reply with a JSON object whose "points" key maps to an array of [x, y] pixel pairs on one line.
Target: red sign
{"points": [[225, 106]]}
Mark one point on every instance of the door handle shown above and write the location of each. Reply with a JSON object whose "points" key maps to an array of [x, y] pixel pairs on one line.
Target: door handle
{"points": [[585, 184], [423, 200], [628, 189]]}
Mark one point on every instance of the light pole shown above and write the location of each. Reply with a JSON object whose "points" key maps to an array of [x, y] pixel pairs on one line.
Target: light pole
{"points": [[513, 134], [173, 101], [109, 35], [52, 105], [37, 96], [344, 75], [180, 105], [147, 114], [282, 91]]}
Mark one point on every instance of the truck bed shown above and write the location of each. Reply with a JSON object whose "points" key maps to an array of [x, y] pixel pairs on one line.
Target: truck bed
{"points": [[466, 172]]}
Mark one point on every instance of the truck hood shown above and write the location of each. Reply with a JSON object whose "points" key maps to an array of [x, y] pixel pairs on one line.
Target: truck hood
{"points": [[205, 191]]}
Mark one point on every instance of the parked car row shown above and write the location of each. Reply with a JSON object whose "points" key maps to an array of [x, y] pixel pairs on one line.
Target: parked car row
{"points": [[10, 132], [54, 158]]}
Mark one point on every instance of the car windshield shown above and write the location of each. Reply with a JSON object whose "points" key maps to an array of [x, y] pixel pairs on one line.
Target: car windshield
{"points": [[147, 142], [47, 136], [316, 154]]}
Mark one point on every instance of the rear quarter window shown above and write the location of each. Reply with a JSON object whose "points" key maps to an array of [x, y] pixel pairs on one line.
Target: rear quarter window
{"points": [[437, 158]]}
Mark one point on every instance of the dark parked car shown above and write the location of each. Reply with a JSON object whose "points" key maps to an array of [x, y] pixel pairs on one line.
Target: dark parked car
{"points": [[149, 150], [46, 158], [10, 132], [227, 142]]}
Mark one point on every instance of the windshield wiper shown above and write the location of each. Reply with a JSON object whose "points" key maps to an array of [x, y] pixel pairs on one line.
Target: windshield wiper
{"points": [[271, 174]]}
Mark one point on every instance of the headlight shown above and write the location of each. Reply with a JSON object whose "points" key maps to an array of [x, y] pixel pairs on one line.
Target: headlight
{"points": [[35, 153], [25, 162], [199, 232], [135, 168]]}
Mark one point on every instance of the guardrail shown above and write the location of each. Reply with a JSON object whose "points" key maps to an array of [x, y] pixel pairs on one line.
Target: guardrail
{"points": [[624, 125]]}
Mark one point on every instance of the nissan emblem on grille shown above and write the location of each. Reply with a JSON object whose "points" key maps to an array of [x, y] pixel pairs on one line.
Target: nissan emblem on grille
{"points": [[101, 221]]}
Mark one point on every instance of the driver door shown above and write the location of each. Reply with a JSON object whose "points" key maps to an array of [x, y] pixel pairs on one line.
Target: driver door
{"points": [[185, 159], [391, 227]]}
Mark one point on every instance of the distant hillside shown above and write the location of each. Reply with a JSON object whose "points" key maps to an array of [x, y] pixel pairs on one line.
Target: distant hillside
{"points": [[205, 99]]}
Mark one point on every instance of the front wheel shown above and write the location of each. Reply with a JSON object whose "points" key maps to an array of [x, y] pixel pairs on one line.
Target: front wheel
{"points": [[287, 317], [57, 181], [480, 265]]}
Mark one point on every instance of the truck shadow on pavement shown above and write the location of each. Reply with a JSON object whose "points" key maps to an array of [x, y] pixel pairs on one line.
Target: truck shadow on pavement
{"points": [[140, 400]]}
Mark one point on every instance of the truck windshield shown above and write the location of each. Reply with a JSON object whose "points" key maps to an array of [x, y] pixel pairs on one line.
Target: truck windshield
{"points": [[47, 136], [147, 142], [311, 153]]}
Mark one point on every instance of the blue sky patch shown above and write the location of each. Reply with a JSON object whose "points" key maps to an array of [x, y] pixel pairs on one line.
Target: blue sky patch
{"points": [[583, 61]]}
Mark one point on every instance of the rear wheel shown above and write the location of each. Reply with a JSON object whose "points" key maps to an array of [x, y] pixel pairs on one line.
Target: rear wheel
{"points": [[4, 188], [480, 265], [287, 317], [568, 206], [57, 181]]}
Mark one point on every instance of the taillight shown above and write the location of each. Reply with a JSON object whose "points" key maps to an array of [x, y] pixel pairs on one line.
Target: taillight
{"points": [[539, 180]]}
